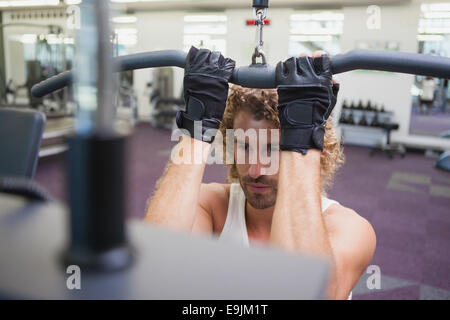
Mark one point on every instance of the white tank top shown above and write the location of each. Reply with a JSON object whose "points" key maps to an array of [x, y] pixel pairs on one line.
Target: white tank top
{"points": [[428, 87], [235, 228]]}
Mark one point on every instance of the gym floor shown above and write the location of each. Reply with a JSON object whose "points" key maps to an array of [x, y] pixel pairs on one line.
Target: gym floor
{"points": [[430, 124], [406, 200]]}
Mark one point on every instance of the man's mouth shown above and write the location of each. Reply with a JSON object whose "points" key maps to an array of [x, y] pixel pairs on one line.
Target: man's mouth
{"points": [[258, 187]]}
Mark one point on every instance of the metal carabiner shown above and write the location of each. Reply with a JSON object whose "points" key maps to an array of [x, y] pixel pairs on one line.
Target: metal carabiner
{"points": [[257, 54], [260, 15]]}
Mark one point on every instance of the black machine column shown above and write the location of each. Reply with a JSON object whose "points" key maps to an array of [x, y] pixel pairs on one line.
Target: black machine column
{"points": [[96, 159]]}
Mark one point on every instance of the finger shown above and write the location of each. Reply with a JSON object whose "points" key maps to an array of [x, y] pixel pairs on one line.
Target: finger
{"points": [[222, 60], [281, 69], [202, 56], [304, 54], [290, 65], [321, 62], [214, 58], [318, 53], [335, 89], [335, 81], [228, 65], [305, 65], [191, 54]]}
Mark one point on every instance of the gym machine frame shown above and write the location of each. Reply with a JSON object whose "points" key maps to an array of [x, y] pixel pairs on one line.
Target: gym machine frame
{"points": [[261, 75]]}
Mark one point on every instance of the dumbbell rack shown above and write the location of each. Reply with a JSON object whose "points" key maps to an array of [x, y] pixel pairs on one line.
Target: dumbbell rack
{"points": [[368, 136]]}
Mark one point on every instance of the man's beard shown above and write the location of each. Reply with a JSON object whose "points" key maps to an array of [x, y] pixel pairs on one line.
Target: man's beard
{"points": [[260, 201]]}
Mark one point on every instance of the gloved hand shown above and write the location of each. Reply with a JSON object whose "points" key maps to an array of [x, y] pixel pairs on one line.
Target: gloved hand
{"points": [[206, 77], [306, 97]]}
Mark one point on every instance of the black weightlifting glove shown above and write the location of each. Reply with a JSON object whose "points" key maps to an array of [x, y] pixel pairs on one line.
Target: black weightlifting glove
{"points": [[306, 97], [206, 77]]}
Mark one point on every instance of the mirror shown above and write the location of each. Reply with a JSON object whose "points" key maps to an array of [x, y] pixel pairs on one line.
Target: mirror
{"points": [[430, 112]]}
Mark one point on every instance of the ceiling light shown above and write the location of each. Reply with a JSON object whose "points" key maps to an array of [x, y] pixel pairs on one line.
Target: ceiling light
{"points": [[320, 16], [326, 38], [124, 19], [437, 15], [125, 31], [28, 38], [205, 18], [435, 7], [431, 30], [430, 37], [316, 31], [33, 3]]}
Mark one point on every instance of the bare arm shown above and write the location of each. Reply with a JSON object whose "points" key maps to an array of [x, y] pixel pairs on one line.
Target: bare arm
{"points": [[353, 242], [298, 206], [297, 223], [307, 95], [175, 202]]}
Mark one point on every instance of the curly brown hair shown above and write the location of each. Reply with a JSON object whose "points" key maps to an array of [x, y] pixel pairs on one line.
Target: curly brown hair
{"points": [[263, 104]]}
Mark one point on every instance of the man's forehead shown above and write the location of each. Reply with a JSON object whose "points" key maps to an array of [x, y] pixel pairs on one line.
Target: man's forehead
{"points": [[247, 128], [245, 120]]}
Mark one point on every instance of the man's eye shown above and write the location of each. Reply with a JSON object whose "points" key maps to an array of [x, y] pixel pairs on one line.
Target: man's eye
{"points": [[243, 146]]}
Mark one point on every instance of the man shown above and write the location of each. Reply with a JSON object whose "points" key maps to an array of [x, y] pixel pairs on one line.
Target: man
{"points": [[427, 95], [282, 208]]}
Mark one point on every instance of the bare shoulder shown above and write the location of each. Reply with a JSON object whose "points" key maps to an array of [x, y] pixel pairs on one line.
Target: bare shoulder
{"points": [[353, 241], [214, 199], [211, 193], [348, 229], [338, 216]]}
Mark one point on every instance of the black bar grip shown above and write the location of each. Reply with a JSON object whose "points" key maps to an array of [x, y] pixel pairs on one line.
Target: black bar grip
{"points": [[255, 76], [263, 76]]}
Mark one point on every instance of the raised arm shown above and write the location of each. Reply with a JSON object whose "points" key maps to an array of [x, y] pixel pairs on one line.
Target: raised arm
{"points": [[175, 203], [307, 96]]}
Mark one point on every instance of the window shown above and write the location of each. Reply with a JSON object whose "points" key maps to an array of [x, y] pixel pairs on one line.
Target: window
{"points": [[315, 30], [205, 31], [434, 29]]}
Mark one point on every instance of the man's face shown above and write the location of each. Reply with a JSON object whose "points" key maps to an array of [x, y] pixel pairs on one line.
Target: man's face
{"points": [[260, 188]]}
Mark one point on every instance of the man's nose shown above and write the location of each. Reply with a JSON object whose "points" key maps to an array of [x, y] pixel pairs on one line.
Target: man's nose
{"points": [[255, 170]]}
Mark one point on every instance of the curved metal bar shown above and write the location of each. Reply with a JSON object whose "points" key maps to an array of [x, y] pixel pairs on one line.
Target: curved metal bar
{"points": [[263, 76], [402, 62]]}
